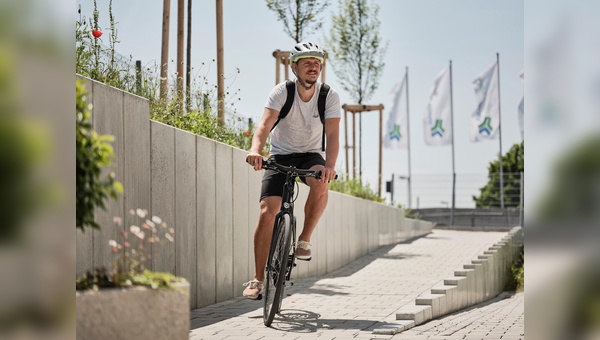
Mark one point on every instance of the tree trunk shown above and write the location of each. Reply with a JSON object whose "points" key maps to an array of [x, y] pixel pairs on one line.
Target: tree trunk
{"points": [[164, 58]]}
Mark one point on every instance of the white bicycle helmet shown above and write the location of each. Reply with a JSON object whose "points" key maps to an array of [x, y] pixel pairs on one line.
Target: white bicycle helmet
{"points": [[306, 50]]}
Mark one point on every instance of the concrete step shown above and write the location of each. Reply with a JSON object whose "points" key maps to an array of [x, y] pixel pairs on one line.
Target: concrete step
{"points": [[418, 314], [394, 327]]}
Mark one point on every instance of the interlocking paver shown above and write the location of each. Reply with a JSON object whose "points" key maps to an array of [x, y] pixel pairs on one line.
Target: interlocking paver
{"points": [[364, 295]]}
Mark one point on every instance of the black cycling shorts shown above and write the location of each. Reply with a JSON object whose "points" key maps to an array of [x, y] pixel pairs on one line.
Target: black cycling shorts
{"points": [[273, 181]]}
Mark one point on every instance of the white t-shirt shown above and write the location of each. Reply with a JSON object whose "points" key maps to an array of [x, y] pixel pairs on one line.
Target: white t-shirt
{"points": [[301, 130]]}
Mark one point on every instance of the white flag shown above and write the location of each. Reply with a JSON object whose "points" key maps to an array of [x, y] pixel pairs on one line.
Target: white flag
{"points": [[485, 121], [397, 125], [522, 110], [437, 123]]}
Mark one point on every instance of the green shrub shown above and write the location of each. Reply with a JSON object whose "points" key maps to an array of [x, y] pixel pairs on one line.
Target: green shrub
{"points": [[355, 188], [93, 153], [516, 273]]}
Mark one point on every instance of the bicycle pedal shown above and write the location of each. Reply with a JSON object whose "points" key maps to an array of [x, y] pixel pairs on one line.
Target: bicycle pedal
{"points": [[295, 264], [259, 297], [291, 283]]}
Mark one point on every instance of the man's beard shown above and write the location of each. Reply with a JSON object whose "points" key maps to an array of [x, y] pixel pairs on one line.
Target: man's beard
{"points": [[307, 84]]}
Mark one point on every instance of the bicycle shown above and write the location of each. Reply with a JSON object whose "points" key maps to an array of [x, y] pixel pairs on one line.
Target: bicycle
{"points": [[282, 253]]}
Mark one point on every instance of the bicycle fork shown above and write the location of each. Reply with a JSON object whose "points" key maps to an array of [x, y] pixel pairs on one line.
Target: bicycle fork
{"points": [[292, 254]]}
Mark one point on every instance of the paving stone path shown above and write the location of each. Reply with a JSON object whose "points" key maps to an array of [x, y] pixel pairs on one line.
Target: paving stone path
{"points": [[352, 301]]}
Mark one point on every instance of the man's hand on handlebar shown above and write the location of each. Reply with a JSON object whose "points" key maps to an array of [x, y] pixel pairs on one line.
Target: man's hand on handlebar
{"points": [[255, 160], [327, 175]]}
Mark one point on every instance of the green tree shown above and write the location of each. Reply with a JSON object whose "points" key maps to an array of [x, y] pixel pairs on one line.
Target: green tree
{"points": [[356, 48], [299, 17], [574, 191], [512, 167]]}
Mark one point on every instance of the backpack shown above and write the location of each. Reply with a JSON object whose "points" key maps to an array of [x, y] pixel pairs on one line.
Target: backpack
{"points": [[291, 92]]}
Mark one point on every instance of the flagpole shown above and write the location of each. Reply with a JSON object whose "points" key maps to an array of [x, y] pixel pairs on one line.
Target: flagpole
{"points": [[408, 144], [500, 133], [453, 168]]}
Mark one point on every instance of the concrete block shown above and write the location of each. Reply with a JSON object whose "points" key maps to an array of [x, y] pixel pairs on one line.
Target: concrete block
{"points": [[321, 233], [435, 301], [163, 191], [461, 291], [224, 222], [134, 313], [302, 194], [394, 328], [450, 300], [107, 118], [206, 221], [185, 209], [418, 314], [254, 187], [136, 147], [331, 235], [241, 222]]}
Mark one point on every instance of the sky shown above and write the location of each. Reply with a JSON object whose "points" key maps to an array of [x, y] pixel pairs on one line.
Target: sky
{"points": [[423, 35]]}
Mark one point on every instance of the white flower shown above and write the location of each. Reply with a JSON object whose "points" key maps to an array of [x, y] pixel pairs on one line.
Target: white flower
{"points": [[141, 213], [132, 212], [117, 220], [134, 229], [112, 243], [156, 219], [140, 235], [150, 223], [169, 237]]}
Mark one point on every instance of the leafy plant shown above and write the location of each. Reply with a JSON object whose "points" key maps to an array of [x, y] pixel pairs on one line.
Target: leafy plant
{"points": [[131, 252], [298, 16], [354, 187], [516, 273], [93, 154]]}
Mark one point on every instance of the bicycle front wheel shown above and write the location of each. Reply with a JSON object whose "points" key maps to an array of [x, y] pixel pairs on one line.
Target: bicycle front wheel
{"points": [[276, 267]]}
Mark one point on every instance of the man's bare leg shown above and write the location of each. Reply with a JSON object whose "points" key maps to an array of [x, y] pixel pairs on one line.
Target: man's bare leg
{"points": [[315, 205], [269, 207]]}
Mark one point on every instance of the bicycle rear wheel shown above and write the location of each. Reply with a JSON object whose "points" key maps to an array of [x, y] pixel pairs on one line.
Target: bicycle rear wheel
{"points": [[276, 268]]}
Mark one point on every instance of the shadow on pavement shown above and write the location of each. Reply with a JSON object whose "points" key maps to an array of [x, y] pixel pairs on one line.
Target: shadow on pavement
{"points": [[302, 321]]}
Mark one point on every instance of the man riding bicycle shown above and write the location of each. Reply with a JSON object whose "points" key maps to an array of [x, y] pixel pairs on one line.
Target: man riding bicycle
{"points": [[296, 140]]}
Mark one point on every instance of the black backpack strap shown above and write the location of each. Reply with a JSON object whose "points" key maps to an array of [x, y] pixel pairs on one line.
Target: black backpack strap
{"points": [[321, 106], [291, 92]]}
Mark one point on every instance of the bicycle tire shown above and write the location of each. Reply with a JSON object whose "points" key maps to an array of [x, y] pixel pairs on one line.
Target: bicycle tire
{"points": [[276, 268]]}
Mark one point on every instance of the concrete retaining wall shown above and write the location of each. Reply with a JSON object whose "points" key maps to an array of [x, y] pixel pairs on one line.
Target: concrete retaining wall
{"points": [[481, 280], [209, 195]]}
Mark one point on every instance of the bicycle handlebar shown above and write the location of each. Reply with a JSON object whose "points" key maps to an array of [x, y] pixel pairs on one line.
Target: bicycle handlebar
{"points": [[272, 165]]}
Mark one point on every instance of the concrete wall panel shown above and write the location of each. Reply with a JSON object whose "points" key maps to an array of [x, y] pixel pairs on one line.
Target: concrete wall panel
{"points": [[241, 223], [206, 222], [136, 139], [224, 221], [163, 191], [107, 116], [254, 186], [185, 209]]}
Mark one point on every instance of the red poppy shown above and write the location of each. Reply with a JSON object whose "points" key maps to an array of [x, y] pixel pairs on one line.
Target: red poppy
{"points": [[96, 33], [248, 132]]}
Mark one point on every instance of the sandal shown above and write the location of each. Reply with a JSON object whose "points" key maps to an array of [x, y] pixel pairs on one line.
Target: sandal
{"points": [[254, 289], [303, 251]]}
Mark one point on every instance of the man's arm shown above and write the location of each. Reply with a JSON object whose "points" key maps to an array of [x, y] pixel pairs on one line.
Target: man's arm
{"points": [[332, 132], [259, 139]]}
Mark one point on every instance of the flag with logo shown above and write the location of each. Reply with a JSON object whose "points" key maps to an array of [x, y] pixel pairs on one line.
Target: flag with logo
{"points": [[485, 121], [397, 125], [437, 123], [522, 110]]}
